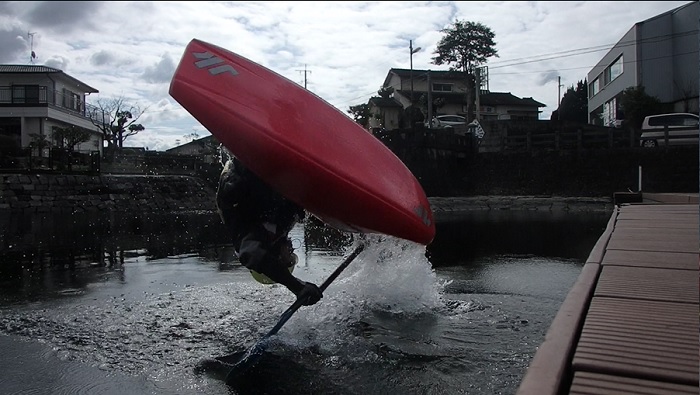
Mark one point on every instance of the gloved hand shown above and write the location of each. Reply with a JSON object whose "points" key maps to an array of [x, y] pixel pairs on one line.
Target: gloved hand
{"points": [[310, 294]]}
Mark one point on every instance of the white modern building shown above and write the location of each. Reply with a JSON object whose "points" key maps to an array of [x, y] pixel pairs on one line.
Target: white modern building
{"points": [[660, 54]]}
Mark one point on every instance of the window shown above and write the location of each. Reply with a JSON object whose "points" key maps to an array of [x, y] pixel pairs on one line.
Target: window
{"points": [[71, 100], [25, 94], [442, 87], [673, 120], [595, 87], [616, 68], [613, 71], [610, 112]]}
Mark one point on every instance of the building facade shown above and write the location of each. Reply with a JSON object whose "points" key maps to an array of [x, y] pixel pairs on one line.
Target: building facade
{"points": [[207, 148], [448, 92], [660, 54], [34, 100]]}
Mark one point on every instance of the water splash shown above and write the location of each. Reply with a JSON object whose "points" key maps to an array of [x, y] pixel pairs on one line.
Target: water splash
{"points": [[392, 276]]}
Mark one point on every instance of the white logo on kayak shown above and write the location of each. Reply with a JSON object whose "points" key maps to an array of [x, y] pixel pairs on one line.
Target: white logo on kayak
{"points": [[423, 214], [208, 60]]}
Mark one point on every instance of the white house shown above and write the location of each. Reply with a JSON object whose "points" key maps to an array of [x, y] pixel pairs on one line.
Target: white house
{"points": [[36, 99]]}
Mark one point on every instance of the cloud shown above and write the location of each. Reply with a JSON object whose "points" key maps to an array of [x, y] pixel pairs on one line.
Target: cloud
{"points": [[131, 49], [64, 16], [162, 72], [57, 62], [546, 78], [101, 58], [13, 46]]}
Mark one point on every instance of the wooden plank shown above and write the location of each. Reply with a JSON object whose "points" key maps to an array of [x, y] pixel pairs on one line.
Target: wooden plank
{"points": [[665, 223], [603, 384], [670, 260], [623, 350], [648, 283], [680, 244]]}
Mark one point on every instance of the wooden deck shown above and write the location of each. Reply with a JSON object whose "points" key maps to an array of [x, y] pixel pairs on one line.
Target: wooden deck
{"points": [[630, 324]]}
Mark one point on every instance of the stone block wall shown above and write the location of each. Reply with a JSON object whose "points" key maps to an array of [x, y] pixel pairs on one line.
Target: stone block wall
{"points": [[77, 193]]}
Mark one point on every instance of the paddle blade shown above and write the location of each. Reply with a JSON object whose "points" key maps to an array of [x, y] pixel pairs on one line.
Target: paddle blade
{"points": [[247, 361]]}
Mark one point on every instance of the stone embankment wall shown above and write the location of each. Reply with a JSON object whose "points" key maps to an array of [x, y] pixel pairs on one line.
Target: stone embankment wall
{"points": [[31, 193], [50, 193]]}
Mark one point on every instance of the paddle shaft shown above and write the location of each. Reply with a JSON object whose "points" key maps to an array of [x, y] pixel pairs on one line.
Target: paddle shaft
{"points": [[298, 303]]}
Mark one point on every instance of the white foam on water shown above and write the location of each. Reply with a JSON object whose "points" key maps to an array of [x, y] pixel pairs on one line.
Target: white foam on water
{"points": [[391, 275]]}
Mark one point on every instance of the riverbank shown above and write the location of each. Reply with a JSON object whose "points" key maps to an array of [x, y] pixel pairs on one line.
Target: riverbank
{"points": [[536, 203], [50, 193]]}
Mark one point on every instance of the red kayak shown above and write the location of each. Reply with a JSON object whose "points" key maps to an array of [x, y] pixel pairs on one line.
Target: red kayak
{"points": [[303, 147]]}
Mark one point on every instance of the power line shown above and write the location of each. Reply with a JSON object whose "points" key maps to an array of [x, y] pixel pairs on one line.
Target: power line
{"points": [[538, 71], [586, 50], [590, 67]]}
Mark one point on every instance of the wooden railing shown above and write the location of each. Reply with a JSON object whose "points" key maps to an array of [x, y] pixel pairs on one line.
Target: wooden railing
{"points": [[570, 140]]}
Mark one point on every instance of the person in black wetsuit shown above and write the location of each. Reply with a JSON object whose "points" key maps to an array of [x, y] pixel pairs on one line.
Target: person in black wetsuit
{"points": [[259, 220]]}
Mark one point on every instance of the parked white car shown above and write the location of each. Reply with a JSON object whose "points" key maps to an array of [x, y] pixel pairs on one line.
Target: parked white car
{"points": [[447, 121], [682, 129]]}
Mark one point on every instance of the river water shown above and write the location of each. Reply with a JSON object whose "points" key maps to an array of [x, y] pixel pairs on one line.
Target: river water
{"points": [[114, 304]]}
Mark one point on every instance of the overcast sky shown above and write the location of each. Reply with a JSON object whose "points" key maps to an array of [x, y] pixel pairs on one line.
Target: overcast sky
{"points": [[130, 49]]}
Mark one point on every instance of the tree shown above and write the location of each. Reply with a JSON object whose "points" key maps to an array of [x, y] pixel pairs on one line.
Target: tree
{"points": [[68, 138], [360, 113], [689, 94], [71, 136], [574, 104], [39, 142], [636, 104], [437, 104], [385, 92], [465, 46], [116, 120], [191, 137]]}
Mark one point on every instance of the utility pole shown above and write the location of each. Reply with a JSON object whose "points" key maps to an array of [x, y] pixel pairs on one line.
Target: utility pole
{"points": [[559, 85], [430, 103], [411, 51], [477, 75], [305, 71], [558, 92]]}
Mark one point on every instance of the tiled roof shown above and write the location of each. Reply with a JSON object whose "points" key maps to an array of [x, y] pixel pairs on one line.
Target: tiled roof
{"points": [[531, 102], [406, 73], [382, 102], [506, 98], [26, 68], [485, 99], [30, 68]]}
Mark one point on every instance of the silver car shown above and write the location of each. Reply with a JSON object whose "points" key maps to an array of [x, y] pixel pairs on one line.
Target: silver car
{"points": [[682, 129], [448, 121]]}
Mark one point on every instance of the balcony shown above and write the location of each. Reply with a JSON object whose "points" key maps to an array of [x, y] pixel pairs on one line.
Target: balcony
{"points": [[42, 96]]}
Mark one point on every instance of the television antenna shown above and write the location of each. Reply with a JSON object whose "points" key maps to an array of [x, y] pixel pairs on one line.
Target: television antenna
{"points": [[32, 55]]}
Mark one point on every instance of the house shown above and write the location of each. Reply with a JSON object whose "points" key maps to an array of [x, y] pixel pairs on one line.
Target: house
{"points": [[506, 106], [384, 113], [448, 91], [36, 99], [660, 54], [207, 148]]}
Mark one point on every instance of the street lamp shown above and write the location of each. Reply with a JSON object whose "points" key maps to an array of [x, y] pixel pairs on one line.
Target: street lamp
{"points": [[412, 51]]}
